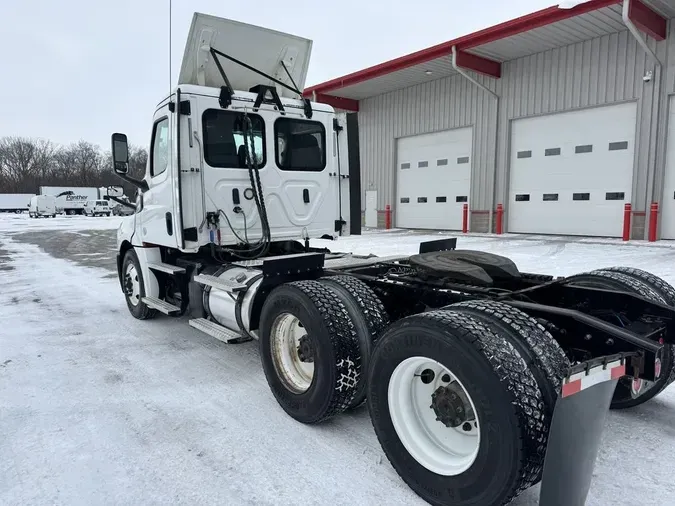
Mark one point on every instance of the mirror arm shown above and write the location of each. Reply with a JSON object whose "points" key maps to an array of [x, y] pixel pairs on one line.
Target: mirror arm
{"points": [[122, 202], [138, 183]]}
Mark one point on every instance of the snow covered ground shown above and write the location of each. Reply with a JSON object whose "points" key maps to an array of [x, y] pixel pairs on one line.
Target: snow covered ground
{"points": [[99, 408]]}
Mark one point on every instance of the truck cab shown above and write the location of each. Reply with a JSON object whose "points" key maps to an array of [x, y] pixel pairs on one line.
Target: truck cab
{"points": [[237, 157]]}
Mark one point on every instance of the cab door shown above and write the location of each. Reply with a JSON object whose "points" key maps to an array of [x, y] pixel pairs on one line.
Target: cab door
{"points": [[157, 219]]}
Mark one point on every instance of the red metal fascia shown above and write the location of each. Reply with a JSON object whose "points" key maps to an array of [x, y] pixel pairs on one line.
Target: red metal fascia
{"points": [[647, 20], [519, 25], [479, 64], [347, 104]]}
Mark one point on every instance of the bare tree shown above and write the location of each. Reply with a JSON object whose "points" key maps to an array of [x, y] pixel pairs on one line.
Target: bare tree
{"points": [[26, 164]]}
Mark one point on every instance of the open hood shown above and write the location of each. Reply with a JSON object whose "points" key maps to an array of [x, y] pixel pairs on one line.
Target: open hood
{"points": [[258, 47]]}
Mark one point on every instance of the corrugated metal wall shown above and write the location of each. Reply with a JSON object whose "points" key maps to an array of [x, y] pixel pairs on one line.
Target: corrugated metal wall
{"points": [[430, 107], [597, 72]]}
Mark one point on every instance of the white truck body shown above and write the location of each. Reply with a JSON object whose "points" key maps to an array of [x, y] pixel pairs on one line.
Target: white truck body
{"points": [[42, 206], [242, 173], [15, 202], [70, 199]]}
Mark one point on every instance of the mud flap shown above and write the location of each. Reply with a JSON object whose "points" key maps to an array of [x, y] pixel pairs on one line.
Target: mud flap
{"points": [[576, 431]]}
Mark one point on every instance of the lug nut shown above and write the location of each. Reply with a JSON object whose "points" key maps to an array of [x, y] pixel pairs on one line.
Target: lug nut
{"points": [[466, 427]]}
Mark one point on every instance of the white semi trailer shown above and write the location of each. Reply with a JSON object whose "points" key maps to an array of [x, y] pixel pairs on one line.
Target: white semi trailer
{"points": [[70, 200], [480, 380], [15, 202]]}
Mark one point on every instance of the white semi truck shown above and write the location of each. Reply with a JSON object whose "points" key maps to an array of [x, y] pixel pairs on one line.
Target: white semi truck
{"points": [[480, 380], [71, 200], [15, 202]]}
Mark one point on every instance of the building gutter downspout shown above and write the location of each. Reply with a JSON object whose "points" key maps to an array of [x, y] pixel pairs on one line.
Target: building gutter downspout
{"points": [[636, 33], [464, 74], [651, 172]]}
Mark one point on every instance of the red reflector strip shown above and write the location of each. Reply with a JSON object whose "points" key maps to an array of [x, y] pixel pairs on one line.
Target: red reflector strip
{"points": [[580, 381]]}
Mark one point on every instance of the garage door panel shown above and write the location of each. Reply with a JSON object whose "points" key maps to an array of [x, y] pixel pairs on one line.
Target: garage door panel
{"points": [[582, 161], [668, 205], [433, 179]]}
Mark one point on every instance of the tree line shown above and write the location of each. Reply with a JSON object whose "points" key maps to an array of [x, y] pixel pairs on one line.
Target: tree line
{"points": [[27, 163]]}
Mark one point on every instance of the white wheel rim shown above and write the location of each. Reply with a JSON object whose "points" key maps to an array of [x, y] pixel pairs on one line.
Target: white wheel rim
{"points": [[285, 335], [447, 451], [132, 275]]}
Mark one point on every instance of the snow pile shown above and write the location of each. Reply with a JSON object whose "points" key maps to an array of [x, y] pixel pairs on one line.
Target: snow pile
{"points": [[98, 407]]}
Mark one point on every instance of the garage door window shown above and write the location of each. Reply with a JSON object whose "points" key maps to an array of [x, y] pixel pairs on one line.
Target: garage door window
{"points": [[618, 146], [441, 199], [587, 148], [550, 197], [441, 162], [405, 166], [463, 159], [523, 197], [461, 198], [552, 152], [581, 196], [614, 196], [300, 145], [524, 154], [421, 200], [421, 165]]}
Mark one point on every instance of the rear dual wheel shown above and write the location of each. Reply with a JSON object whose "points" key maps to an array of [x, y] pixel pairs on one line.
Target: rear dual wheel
{"points": [[629, 392], [315, 339], [457, 409]]}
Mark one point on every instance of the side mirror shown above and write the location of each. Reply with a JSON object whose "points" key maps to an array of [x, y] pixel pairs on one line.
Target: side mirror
{"points": [[120, 153]]}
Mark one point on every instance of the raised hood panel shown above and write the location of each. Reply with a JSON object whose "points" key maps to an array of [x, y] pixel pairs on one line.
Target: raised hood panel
{"points": [[259, 47]]}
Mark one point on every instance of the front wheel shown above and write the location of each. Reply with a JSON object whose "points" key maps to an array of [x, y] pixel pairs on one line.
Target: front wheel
{"points": [[134, 287], [456, 410]]}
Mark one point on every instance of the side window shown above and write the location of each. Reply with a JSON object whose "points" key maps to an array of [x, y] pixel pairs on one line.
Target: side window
{"points": [[300, 144], [224, 144], [160, 148]]}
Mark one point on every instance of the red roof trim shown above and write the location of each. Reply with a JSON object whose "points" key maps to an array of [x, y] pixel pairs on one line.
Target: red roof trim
{"points": [[479, 64], [509, 28], [647, 20], [348, 104]]}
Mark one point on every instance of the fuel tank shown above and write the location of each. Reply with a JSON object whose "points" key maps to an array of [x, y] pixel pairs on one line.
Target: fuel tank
{"points": [[232, 309]]}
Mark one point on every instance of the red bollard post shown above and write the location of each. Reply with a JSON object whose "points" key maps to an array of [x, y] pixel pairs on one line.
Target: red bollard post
{"points": [[653, 216], [387, 216], [626, 221], [500, 218], [465, 218]]}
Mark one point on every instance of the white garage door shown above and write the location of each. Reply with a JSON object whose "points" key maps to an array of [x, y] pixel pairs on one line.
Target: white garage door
{"points": [[433, 179], [668, 206], [572, 173]]}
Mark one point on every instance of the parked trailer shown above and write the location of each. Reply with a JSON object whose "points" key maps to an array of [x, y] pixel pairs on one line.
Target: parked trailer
{"points": [[70, 200], [480, 380], [15, 202]]}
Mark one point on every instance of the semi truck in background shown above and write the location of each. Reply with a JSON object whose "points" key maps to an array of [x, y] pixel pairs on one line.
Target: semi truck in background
{"points": [[70, 200], [15, 202]]}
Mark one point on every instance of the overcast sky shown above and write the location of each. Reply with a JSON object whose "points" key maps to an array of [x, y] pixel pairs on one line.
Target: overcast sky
{"points": [[81, 69]]}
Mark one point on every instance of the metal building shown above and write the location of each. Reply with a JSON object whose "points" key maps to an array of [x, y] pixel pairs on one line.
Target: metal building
{"points": [[561, 116]]}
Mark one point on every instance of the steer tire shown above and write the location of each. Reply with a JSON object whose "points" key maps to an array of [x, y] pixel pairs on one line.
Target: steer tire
{"points": [[617, 280], [509, 405], [333, 339], [140, 310], [368, 316]]}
